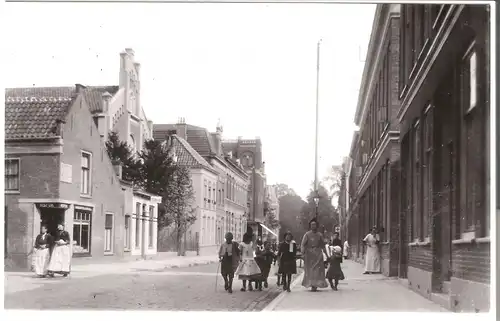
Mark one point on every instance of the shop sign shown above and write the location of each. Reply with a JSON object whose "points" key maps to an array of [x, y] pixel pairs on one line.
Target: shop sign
{"points": [[53, 205]]}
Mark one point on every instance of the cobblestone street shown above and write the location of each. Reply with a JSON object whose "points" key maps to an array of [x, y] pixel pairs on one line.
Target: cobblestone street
{"points": [[191, 288]]}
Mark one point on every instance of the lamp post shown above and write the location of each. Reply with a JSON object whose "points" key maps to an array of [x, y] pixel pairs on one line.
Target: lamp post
{"points": [[316, 197]]}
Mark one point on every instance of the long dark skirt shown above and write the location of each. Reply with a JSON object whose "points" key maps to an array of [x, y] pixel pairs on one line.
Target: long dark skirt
{"points": [[227, 268], [287, 266], [335, 271]]}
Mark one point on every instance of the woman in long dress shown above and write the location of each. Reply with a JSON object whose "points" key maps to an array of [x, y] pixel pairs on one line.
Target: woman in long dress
{"points": [[60, 262], [313, 247], [372, 257], [248, 270], [287, 256], [41, 254]]}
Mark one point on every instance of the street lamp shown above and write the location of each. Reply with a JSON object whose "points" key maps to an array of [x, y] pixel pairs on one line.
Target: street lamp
{"points": [[316, 202]]}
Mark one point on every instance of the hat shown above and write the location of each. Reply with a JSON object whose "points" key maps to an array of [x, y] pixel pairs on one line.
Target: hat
{"points": [[337, 249]]}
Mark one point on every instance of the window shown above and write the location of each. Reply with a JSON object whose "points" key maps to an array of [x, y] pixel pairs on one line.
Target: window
{"points": [[209, 195], [137, 225], [151, 226], [81, 231], [108, 233], [127, 232], [473, 215], [427, 172], [205, 194], [85, 177], [12, 174]]}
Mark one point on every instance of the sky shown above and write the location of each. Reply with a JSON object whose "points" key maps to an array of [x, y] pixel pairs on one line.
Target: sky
{"points": [[253, 66]]}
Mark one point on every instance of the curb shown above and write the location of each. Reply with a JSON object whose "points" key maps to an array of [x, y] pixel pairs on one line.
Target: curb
{"points": [[274, 303]]}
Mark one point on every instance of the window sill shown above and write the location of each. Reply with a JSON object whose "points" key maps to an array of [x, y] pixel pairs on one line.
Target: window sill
{"points": [[109, 253], [87, 254], [127, 250], [85, 196], [419, 243], [13, 192], [471, 240]]}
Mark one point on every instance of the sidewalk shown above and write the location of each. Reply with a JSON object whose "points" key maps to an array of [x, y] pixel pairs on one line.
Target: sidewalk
{"points": [[358, 292], [22, 281]]}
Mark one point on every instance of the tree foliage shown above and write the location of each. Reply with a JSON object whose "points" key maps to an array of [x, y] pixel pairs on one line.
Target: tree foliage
{"points": [[290, 211], [283, 189], [119, 152], [327, 213], [333, 181]]}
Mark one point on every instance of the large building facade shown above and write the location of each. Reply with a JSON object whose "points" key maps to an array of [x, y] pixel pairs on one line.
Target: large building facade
{"points": [[437, 236], [249, 152], [224, 193]]}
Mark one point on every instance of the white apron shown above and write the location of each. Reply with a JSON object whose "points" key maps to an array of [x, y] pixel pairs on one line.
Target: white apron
{"points": [[372, 259], [61, 259]]}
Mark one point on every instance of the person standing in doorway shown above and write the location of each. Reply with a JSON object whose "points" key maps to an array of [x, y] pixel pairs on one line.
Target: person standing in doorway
{"points": [[229, 257], [313, 247], [346, 250], [41, 253], [372, 257], [60, 262]]}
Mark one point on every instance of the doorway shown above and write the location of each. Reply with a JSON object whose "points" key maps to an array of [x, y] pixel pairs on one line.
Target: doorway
{"points": [[51, 217]]}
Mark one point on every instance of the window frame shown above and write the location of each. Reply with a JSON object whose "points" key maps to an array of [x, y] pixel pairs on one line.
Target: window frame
{"points": [[137, 239], [112, 232], [18, 175], [81, 223], [87, 193], [128, 233], [151, 228]]}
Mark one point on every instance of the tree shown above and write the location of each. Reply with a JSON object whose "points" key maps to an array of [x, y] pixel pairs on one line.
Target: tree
{"points": [[327, 213], [160, 174], [290, 212], [333, 181], [271, 219], [283, 189], [119, 152], [178, 201]]}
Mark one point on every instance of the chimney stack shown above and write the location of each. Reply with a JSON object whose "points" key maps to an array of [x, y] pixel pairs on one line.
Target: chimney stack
{"points": [[181, 128], [106, 98]]}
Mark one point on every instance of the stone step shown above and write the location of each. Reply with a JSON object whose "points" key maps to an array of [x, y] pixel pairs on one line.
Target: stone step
{"points": [[443, 299], [447, 287]]}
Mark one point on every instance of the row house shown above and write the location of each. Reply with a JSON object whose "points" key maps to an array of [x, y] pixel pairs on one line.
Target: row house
{"points": [[437, 235], [249, 152], [375, 151], [444, 115], [57, 171], [222, 190]]}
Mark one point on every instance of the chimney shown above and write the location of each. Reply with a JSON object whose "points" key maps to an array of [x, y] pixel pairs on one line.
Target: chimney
{"points": [[79, 88], [130, 52], [181, 128], [106, 98]]}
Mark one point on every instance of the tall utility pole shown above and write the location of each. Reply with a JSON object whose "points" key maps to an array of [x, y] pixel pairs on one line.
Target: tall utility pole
{"points": [[316, 199]]}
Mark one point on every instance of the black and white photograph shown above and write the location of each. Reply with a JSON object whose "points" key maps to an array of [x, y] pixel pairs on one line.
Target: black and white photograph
{"points": [[249, 156]]}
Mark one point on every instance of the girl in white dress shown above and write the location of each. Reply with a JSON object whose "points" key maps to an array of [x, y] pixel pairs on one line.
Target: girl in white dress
{"points": [[248, 270], [372, 258]]}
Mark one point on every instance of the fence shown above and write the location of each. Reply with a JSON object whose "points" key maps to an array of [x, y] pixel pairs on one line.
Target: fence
{"points": [[169, 242]]}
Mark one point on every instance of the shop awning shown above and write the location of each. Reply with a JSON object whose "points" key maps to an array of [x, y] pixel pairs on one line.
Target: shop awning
{"points": [[268, 229]]}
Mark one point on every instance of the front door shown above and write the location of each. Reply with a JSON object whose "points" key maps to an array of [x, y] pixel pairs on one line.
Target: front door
{"points": [[51, 217]]}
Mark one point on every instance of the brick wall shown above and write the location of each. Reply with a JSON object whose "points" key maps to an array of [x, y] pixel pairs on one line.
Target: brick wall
{"points": [[421, 257], [80, 133], [39, 178], [394, 73], [471, 262]]}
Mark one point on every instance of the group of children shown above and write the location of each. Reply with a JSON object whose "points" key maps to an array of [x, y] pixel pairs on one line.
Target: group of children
{"points": [[253, 264]]}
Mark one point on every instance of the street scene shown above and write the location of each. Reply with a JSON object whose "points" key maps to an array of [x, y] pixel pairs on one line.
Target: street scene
{"points": [[196, 160]]}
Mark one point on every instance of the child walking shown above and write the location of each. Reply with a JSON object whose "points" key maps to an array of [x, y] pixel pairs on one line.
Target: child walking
{"points": [[229, 257], [334, 272], [287, 255], [248, 270], [264, 259]]}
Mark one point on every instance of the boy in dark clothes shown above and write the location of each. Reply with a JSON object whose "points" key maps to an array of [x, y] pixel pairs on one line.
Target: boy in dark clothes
{"points": [[229, 257], [265, 259]]}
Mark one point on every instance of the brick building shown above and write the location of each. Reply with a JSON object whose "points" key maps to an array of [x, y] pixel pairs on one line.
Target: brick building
{"points": [[57, 170], [375, 151], [438, 232], [225, 193], [249, 151]]}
